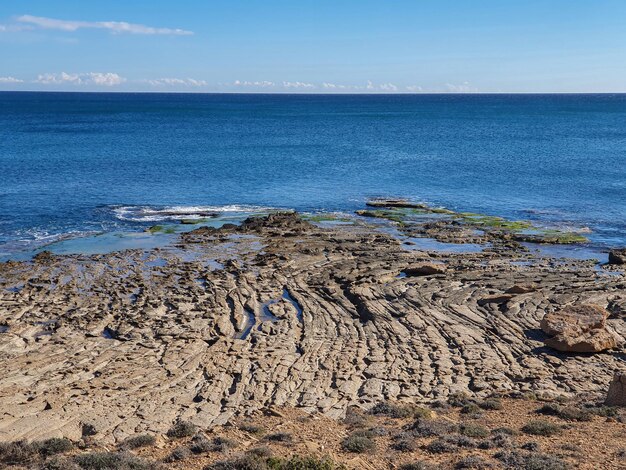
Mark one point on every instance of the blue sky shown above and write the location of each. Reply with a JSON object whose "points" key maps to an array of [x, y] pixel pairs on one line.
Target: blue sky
{"points": [[320, 46]]}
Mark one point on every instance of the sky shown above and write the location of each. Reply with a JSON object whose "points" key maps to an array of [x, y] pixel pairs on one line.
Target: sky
{"points": [[314, 46]]}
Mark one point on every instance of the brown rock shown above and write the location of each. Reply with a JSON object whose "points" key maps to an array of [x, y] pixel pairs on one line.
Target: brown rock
{"points": [[616, 395], [591, 341], [579, 329], [617, 256], [522, 289], [425, 269], [495, 299], [574, 318]]}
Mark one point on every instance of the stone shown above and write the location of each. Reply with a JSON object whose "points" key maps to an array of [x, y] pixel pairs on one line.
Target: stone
{"points": [[424, 269], [578, 329], [616, 395], [521, 289], [591, 341], [574, 317], [617, 256]]}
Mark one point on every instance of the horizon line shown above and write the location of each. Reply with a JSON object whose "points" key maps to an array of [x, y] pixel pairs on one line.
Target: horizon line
{"points": [[148, 92]]}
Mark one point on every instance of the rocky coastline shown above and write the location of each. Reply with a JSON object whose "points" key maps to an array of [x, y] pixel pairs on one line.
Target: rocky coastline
{"points": [[282, 311]]}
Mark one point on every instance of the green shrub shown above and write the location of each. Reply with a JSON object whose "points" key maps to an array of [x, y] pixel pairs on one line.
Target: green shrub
{"points": [[473, 462], [491, 404], [358, 444], [474, 430], [432, 428], [418, 466], [283, 437], [569, 413], [530, 461], [112, 461], [542, 428], [178, 454], [135, 442], [182, 429]]}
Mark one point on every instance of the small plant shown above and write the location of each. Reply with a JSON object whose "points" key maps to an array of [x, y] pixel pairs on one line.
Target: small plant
{"points": [[431, 428], [418, 466], [441, 446], [22, 452], [112, 461], [404, 444], [178, 454], [182, 429], [569, 413], [135, 442], [358, 444], [282, 437], [471, 409], [491, 404], [251, 428], [474, 430], [459, 399], [496, 441], [531, 461], [541, 428], [399, 411], [473, 462]]}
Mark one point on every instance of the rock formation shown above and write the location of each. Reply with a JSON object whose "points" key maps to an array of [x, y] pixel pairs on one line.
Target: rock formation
{"points": [[279, 312], [579, 329], [616, 395]]}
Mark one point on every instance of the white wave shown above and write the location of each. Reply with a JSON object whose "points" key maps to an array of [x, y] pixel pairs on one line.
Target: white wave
{"points": [[156, 214]]}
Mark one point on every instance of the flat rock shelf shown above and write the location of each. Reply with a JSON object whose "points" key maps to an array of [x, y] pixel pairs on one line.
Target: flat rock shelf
{"points": [[282, 312]]}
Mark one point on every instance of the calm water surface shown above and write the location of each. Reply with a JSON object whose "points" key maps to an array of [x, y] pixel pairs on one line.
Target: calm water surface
{"points": [[73, 163]]}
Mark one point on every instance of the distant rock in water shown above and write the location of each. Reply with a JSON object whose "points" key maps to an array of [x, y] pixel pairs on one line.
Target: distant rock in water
{"points": [[617, 256], [579, 329], [399, 203]]}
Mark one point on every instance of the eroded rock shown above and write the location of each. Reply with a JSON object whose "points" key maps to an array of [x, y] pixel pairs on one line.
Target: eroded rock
{"points": [[579, 329], [616, 395]]}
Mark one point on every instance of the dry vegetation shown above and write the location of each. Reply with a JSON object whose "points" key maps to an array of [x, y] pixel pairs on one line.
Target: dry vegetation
{"points": [[522, 433]]}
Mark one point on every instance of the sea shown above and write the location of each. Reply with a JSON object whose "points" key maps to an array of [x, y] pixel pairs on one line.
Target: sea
{"points": [[74, 166]]}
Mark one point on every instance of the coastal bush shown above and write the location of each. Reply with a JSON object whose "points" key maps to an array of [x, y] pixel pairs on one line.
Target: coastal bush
{"points": [[459, 399], [569, 413], [532, 446], [440, 446], [200, 444], [496, 441], [516, 460], [474, 430], [471, 409], [180, 453], [356, 418], [432, 428], [404, 443], [473, 462], [358, 443], [491, 404], [59, 463], [251, 462], [399, 411], [282, 437], [541, 428], [251, 428], [21, 452], [419, 465], [182, 429], [112, 461], [135, 442]]}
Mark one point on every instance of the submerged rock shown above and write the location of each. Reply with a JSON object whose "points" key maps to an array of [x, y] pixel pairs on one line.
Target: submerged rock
{"points": [[578, 328]]}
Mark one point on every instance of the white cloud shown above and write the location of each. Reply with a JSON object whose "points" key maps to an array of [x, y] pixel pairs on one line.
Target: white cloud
{"points": [[298, 85], [415, 89], [464, 87], [10, 80], [116, 27], [91, 78], [245, 83], [11, 28], [388, 87], [176, 81]]}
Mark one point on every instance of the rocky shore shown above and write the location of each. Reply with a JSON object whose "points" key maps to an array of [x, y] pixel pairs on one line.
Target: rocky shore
{"points": [[283, 312]]}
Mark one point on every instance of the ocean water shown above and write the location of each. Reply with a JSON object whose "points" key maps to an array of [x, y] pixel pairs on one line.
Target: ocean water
{"points": [[80, 163]]}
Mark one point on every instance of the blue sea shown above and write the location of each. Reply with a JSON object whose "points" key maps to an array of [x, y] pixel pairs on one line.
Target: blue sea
{"points": [[75, 164]]}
